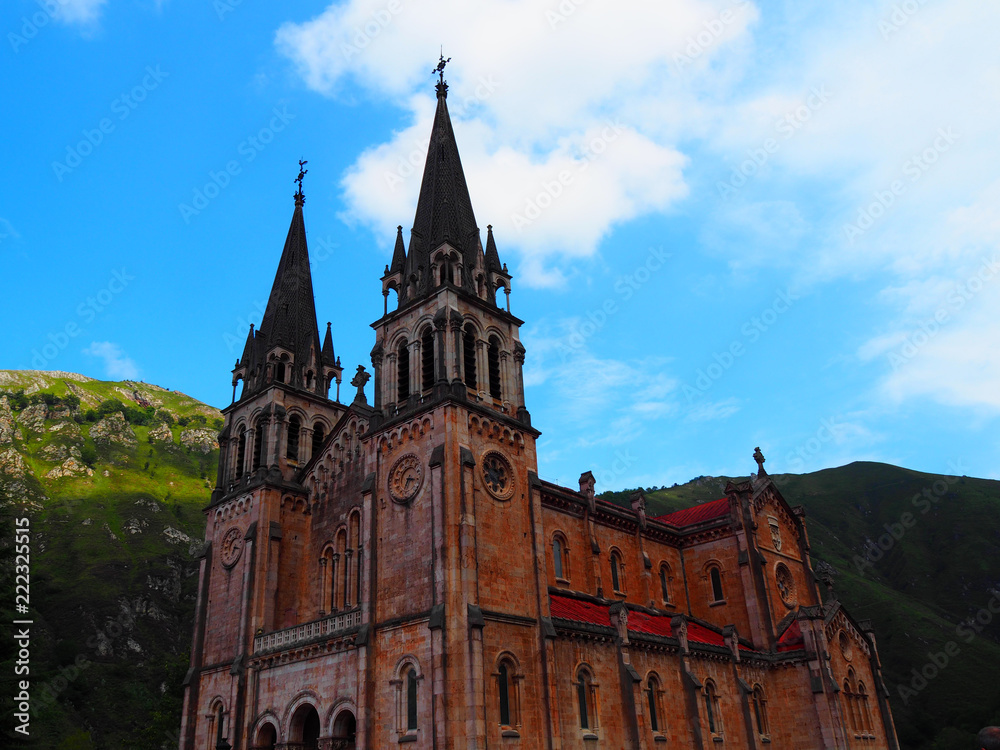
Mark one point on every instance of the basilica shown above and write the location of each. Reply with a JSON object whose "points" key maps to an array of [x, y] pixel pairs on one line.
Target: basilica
{"points": [[389, 570]]}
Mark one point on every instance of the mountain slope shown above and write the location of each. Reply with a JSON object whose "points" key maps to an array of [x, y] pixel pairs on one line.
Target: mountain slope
{"points": [[113, 478]]}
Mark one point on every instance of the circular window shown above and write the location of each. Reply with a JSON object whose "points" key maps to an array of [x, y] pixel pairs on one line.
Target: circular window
{"points": [[786, 585], [405, 478], [232, 547], [498, 475], [845, 646]]}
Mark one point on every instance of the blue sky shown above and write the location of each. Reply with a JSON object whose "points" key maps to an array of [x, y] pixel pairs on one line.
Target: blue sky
{"points": [[730, 224]]}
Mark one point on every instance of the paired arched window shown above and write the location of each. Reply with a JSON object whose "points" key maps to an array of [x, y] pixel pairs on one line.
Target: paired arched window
{"points": [[712, 710], [654, 697], [319, 435], [241, 452], [586, 698], [403, 371], [294, 428], [469, 355], [427, 359], [259, 448], [493, 361], [715, 578], [856, 706], [665, 583], [560, 557], [864, 709], [760, 711], [617, 572]]}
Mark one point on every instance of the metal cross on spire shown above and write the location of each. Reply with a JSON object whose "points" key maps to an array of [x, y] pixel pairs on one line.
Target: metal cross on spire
{"points": [[299, 195], [440, 66]]}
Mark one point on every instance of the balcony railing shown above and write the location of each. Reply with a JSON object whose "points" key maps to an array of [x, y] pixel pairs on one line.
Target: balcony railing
{"points": [[324, 743], [293, 636]]}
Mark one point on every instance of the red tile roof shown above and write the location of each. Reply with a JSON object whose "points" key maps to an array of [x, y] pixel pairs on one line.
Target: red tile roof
{"points": [[791, 639], [697, 514], [568, 608]]}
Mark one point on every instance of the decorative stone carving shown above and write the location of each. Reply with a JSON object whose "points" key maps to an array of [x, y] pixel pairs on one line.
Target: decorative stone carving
{"points": [[232, 547], [498, 475]]}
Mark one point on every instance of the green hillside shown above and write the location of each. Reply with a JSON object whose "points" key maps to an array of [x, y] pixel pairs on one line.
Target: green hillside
{"points": [[114, 476], [919, 556]]}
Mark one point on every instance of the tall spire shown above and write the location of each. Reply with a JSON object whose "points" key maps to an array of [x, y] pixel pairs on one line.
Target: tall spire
{"points": [[399, 253], [444, 209], [290, 316]]}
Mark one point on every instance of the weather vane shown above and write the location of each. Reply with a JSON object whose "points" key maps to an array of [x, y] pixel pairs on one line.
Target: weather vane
{"points": [[440, 66], [302, 173]]}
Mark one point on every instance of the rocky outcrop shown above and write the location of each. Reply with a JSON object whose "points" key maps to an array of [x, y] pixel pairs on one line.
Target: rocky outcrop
{"points": [[14, 475], [114, 430], [70, 468], [6, 422], [174, 536], [57, 453], [33, 417], [200, 440], [160, 434]]}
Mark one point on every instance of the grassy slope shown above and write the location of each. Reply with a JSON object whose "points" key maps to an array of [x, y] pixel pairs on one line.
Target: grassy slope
{"points": [[108, 586], [943, 570]]}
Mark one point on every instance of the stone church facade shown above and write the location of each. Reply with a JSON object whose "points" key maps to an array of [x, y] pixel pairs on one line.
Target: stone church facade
{"points": [[396, 574]]}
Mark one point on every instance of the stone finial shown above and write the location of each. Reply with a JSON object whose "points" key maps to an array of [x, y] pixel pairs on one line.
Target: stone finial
{"points": [[826, 574], [361, 377], [587, 484], [618, 614], [732, 640], [759, 458], [638, 500], [679, 627]]}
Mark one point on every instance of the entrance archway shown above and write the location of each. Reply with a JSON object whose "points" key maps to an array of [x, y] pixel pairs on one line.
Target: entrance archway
{"points": [[266, 738], [344, 731], [304, 728]]}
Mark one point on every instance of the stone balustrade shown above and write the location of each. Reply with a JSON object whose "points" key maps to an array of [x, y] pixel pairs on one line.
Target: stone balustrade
{"points": [[293, 636]]}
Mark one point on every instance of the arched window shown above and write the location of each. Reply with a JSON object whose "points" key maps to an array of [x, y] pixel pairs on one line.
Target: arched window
{"points": [[279, 372], [403, 371], [241, 452], [310, 379], [665, 583], [716, 576], [219, 719], [850, 701], [586, 696], [503, 693], [863, 708], [653, 694], [558, 556], [355, 541], [294, 425], [267, 737], [760, 710], [427, 359], [259, 449], [712, 708], [319, 435], [469, 355], [493, 358], [617, 573], [411, 700]]}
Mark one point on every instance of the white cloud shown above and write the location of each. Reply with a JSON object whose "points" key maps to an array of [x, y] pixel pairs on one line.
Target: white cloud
{"points": [[117, 366], [84, 12], [544, 108]]}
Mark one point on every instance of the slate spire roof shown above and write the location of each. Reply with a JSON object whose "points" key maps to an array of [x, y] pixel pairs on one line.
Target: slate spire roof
{"points": [[444, 208], [290, 316]]}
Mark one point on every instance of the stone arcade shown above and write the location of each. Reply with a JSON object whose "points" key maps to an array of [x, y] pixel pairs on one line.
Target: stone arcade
{"points": [[395, 572]]}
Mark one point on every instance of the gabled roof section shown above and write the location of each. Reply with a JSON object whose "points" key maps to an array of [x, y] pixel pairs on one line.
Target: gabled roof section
{"points": [[444, 208], [290, 317], [698, 514]]}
